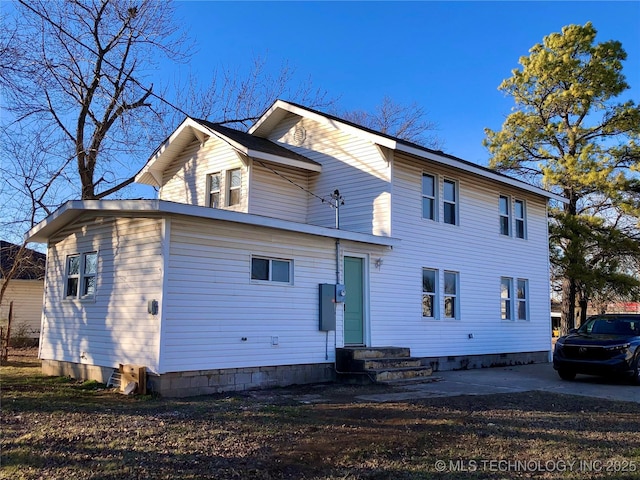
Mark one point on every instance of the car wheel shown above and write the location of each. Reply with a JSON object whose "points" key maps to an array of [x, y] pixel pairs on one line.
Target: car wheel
{"points": [[636, 371], [566, 374]]}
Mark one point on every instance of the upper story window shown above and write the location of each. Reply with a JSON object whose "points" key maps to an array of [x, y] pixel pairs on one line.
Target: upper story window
{"points": [[271, 270], [234, 180], [215, 183], [429, 197], [450, 211], [505, 215], [81, 275], [520, 218], [429, 292]]}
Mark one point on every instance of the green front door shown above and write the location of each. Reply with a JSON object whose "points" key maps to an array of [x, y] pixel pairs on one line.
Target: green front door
{"points": [[354, 304]]}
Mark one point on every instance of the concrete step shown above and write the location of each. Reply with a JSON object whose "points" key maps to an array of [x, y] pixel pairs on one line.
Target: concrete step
{"points": [[385, 363], [400, 374], [361, 353]]}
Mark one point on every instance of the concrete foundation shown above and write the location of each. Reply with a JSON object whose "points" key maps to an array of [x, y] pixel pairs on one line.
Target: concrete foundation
{"points": [[469, 362], [204, 382]]}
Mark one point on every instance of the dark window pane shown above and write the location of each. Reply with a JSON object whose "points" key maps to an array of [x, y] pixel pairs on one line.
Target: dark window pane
{"points": [[427, 306], [234, 197], [505, 288], [504, 225], [89, 287], [450, 283], [428, 281], [72, 287], [504, 205], [450, 213], [91, 263], [449, 191], [506, 310], [215, 183], [259, 269], [236, 178], [520, 228], [450, 307], [428, 186], [428, 210], [74, 265], [522, 310], [214, 200], [280, 271]]}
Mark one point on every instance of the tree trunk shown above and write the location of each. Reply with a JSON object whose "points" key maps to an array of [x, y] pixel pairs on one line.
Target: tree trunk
{"points": [[567, 320]]}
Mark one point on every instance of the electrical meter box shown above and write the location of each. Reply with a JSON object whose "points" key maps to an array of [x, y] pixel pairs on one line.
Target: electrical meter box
{"points": [[341, 293], [327, 308]]}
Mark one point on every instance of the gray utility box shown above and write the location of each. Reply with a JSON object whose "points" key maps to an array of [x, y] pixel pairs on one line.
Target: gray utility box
{"points": [[327, 307]]}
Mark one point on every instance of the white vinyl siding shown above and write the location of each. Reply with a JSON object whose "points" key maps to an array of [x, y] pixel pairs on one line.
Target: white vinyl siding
{"points": [[273, 194], [350, 164], [478, 256], [26, 296], [187, 179], [212, 304], [115, 327]]}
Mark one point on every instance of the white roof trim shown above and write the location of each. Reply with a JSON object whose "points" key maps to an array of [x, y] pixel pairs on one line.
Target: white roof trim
{"points": [[73, 209], [151, 173], [263, 127]]}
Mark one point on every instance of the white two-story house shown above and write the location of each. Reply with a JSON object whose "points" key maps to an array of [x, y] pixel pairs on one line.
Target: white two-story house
{"points": [[228, 280]]}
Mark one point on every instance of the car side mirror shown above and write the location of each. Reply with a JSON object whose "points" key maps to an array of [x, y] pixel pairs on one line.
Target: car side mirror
{"points": [[573, 330]]}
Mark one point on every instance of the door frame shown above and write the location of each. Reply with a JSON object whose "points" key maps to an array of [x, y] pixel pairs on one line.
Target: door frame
{"points": [[366, 330]]}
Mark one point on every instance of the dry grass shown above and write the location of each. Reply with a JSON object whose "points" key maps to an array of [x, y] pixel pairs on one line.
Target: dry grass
{"points": [[56, 428]]}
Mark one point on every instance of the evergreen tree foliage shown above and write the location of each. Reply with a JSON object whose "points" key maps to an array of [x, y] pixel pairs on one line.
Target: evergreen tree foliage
{"points": [[570, 133]]}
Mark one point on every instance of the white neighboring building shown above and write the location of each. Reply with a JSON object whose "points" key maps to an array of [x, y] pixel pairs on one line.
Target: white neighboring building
{"points": [[215, 285], [25, 289]]}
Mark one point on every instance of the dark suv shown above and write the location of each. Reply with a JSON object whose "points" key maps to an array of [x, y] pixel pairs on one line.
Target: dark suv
{"points": [[605, 345]]}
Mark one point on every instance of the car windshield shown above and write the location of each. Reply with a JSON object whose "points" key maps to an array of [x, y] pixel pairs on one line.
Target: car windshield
{"points": [[612, 326]]}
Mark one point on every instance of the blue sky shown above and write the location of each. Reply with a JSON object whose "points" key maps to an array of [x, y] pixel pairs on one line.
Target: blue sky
{"points": [[449, 57]]}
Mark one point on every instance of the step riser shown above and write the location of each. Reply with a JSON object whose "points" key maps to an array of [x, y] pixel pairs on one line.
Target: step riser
{"points": [[382, 364], [370, 353], [391, 375], [389, 363]]}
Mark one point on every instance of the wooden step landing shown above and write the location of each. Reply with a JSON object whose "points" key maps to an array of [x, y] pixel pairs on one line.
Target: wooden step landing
{"points": [[388, 365]]}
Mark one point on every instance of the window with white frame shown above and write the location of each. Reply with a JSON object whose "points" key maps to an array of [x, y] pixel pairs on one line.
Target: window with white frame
{"points": [[234, 180], [522, 291], [451, 298], [520, 218], [450, 206], [81, 275], [271, 270], [429, 292], [505, 215], [429, 197], [215, 182], [514, 307], [506, 298]]}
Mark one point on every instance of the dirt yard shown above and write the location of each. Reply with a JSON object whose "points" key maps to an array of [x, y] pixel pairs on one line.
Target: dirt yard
{"points": [[57, 428]]}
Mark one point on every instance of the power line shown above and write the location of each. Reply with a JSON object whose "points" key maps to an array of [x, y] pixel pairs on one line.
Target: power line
{"points": [[335, 196]]}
